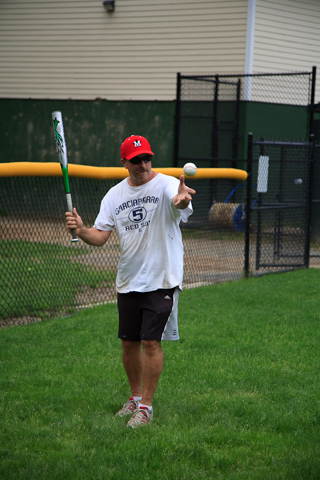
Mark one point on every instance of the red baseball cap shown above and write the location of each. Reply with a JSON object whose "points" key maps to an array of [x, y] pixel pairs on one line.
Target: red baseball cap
{"points": [[133, 146]]}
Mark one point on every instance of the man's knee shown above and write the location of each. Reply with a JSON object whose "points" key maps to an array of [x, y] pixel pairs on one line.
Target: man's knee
{"points": [[130, 345], [151, 347]]}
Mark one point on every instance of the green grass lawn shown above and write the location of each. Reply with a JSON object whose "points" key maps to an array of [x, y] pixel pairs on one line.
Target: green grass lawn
{"points": [[38, 278], [238, 397]]}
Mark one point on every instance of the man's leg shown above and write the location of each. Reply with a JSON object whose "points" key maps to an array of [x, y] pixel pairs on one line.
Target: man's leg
{"points": [[132, 358], [152, 368], [152, 361], [143, 367]]}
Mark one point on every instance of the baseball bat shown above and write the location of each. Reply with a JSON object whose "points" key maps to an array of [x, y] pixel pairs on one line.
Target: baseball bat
{"points": [[63, 158]]}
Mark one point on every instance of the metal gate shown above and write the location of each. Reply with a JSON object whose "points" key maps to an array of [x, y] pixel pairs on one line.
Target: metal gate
{"points": [[279, 208]]}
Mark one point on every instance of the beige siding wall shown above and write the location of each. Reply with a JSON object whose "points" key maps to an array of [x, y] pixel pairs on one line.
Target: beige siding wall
{"points": [[75, 49], [287, 35]]}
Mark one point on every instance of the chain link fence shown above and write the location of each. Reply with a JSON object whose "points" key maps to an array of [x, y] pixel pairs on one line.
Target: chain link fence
{"points": [[214, 113], [43, 274]]}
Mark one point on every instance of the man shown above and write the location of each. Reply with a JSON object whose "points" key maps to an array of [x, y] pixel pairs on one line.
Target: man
{"points": [[145, 209]]}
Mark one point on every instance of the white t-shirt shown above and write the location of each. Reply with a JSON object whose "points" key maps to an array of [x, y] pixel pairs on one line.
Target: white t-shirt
{"points": [[147, 224]]}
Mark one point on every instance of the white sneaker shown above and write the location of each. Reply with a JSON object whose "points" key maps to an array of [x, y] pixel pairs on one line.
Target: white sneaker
{"points": [[128, 408], [142, 416]]}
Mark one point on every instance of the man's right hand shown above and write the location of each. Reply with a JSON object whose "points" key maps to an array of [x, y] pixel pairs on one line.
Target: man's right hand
{"points": [[73, 221], [91, 236]]}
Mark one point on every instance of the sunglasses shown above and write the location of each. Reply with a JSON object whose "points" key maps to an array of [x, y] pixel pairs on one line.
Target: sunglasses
{"points": [[139, 159]]}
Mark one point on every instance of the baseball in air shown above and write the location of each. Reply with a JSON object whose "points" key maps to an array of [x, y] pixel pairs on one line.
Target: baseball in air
{"points": [[190, 169]]}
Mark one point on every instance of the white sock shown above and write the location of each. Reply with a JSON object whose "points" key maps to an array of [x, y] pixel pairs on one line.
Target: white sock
{"points": [[137, 399], [145, 406]]}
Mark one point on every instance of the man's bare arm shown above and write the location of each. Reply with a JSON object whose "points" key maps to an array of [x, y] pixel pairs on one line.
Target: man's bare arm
{"points": [[91, 236]]}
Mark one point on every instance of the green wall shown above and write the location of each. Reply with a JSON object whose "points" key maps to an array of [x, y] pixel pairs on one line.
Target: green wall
{"points": [[273, 122], [269, 120], [94, 130]]}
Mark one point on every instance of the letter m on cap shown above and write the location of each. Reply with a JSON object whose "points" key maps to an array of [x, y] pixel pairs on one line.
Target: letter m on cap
{"points": [[137, 143]]}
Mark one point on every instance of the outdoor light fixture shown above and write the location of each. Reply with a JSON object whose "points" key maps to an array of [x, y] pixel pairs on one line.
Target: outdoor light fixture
{"points": [[109, 4]]}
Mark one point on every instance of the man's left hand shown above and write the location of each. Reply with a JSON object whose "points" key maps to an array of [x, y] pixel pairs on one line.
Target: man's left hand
{"points": [[183, 197]]}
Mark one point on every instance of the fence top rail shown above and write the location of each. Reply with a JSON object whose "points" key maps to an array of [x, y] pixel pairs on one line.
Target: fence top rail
{"points": [[282, 144], [211, 79], [244, 75]]}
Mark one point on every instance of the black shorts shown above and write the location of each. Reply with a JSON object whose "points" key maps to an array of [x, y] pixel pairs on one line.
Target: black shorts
{"points": [[143, 316]]}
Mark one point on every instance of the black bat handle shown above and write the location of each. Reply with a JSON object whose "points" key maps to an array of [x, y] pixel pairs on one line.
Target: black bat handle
{"points": [[74, 236]]}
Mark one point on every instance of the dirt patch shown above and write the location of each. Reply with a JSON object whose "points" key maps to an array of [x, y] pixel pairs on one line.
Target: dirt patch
{"points": [[24, 320], [39, 230]]}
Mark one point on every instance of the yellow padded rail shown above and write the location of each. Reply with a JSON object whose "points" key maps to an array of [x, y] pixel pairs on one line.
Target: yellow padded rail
{"points": [[33, 169]]}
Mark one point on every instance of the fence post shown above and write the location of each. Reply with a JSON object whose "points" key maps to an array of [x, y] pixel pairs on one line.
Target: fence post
{"points": [[215, 124], [312, 100], [235, 139], [177, 123], [309, 200], [248, 206]]}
